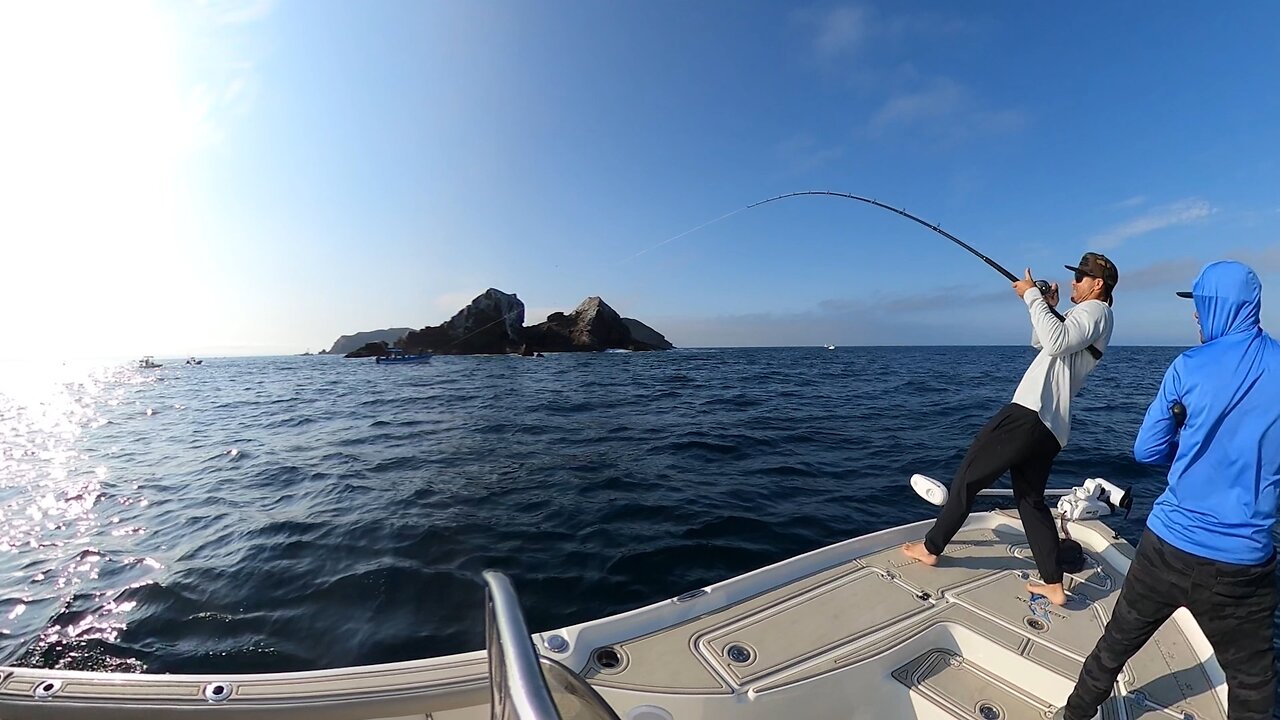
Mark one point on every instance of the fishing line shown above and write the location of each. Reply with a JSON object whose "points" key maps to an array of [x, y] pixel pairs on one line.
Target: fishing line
{"points": [[687, 232], [932, 226], [672, 238], [1043, 286]]}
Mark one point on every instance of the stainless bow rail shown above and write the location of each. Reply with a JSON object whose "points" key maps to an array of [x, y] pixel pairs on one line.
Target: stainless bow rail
{"points": [[523, 684]]}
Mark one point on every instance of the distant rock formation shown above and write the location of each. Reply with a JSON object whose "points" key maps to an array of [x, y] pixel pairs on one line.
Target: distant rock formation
{"points": [[593, 326], [642, 333], [372, 349], [492, 324], [349, 343]]}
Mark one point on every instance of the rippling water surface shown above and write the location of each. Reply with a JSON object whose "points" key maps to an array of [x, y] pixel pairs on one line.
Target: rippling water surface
{"points": [[265, 514]]}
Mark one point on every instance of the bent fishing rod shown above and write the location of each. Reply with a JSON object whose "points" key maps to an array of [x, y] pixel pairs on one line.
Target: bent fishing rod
{"points": [[1043, 285], [1044, 288]]}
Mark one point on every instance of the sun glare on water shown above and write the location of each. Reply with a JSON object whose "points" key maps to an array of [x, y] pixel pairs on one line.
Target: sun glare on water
{"points": [[52, 497]]}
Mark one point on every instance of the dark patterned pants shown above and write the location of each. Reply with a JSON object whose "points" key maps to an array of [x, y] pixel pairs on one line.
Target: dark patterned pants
{"points": [[1017, 442], [1233, 605]]}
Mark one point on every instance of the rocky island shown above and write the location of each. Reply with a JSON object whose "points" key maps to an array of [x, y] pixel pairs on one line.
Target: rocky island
{"points": [[351, 343], [493, 323]]}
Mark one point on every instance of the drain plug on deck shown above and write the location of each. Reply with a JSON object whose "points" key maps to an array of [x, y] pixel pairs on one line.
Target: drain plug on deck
{"points": [[987, 711], [1036, 624], [740, 654], [608, 659]]}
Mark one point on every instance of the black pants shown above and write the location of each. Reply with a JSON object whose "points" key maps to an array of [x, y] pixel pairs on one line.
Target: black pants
{"points": [[1233, 605], [1014, 441]]}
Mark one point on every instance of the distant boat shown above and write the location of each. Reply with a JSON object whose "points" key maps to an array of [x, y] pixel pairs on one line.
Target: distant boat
{"points": [[193, 361], [146, 363], [830, 347], [396, 356]]}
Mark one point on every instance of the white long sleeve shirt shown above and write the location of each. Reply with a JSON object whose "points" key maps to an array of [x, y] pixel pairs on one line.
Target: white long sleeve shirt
{"points": [[1059, 371]]}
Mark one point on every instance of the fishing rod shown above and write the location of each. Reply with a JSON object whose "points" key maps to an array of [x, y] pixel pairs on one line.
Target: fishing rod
{"points": [[1043, 285]]}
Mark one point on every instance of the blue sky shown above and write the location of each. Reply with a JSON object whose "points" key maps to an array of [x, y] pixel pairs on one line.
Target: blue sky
{"points": [[261, 177]]}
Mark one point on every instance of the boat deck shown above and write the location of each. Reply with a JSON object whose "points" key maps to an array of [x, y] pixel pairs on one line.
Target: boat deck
{"points": [[961, 640]]}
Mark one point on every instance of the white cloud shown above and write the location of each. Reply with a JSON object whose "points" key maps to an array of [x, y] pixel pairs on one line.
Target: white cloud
{"points": [[850, 29], [801, 153], [1178, 213], [1176, 273], [1134, 201], [942, 98], [946, 297], [938, 106], [1262, 260], [923, 302], [842, 30], [948, 108]]}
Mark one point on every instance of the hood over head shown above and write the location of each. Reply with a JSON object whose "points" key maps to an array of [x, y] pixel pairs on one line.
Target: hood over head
{"points": [[1228, 298]]}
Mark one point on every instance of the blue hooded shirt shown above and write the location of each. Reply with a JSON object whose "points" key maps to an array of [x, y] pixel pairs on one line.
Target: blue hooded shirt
{"points": [[1225, 473]]}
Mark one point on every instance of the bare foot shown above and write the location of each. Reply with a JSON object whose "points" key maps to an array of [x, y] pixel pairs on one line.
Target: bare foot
{"points": [[1054, 593], [917, 551]]}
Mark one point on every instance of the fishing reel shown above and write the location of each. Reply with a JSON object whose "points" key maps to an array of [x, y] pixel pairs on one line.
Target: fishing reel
{"points": [[1096, 498], [1044, 287]]}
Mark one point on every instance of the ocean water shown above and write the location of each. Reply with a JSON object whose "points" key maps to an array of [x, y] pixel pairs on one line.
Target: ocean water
{"points": [[291, 513]]}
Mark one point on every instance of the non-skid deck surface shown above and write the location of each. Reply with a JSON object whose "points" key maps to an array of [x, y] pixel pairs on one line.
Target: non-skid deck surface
{"points": [[845, 615]]}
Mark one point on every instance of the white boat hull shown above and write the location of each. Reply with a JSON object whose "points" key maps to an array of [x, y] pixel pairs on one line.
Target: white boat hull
{"points": [[853, 630]]}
